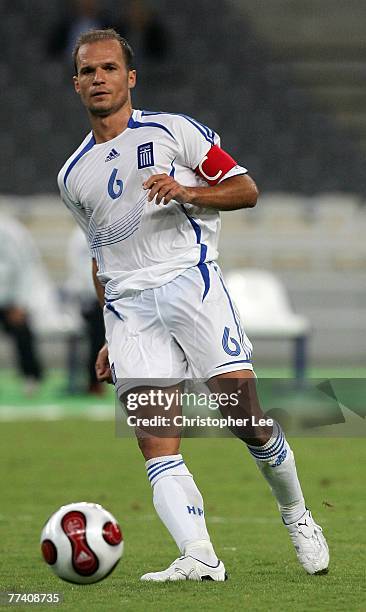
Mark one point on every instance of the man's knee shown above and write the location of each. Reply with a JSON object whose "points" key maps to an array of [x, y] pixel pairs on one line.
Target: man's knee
{"points": [[152, 447]]}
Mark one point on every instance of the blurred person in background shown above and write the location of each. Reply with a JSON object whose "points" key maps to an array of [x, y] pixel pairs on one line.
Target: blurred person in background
{"points": [[80, 16], [18, 258], [81, 289], [133, 20], [143, 28]]}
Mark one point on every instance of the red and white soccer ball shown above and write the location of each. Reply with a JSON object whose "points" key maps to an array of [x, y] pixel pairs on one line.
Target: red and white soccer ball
{"points": [[82, 542]]}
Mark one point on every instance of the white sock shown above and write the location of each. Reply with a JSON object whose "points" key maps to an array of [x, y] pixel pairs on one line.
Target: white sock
{"points": [[179, 505], [276, 462]]}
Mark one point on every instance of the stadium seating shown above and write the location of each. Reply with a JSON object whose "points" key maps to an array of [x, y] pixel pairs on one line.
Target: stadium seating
{"points": [[266, 312]]}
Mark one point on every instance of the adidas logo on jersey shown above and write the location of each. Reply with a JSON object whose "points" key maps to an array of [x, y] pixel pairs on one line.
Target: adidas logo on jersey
{"points": [[112, 155]]}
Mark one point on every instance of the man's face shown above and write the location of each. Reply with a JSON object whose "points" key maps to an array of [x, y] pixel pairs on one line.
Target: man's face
{"points": [[103, 80]]}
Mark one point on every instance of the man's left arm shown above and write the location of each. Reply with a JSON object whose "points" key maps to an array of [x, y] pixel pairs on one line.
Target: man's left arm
{"points": [[231, 194]]}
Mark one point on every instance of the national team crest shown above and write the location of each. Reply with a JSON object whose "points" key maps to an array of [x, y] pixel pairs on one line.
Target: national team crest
{"points": [[145, 155]]}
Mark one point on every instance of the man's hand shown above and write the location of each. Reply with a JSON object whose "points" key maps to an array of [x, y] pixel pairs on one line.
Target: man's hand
{"points": [[165, 188], [102, 367], [230, 194], [16, 316]]}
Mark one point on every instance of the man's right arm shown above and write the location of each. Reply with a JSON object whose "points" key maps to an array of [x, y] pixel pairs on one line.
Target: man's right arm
{"points": [[97, 284]]}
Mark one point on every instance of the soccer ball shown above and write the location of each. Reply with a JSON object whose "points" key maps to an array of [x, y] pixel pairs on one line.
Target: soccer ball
{"points": [[82, 542]]}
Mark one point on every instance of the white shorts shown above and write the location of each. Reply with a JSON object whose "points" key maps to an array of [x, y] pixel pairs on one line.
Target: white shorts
{"points": [[188, 328]]}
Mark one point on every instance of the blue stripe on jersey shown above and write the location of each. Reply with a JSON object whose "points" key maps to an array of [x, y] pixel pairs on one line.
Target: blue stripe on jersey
{"points": [[87, 148], [120, 238], [117, 236], [203, 252], [122, 223], [172, 172], [120, 229], [208, 134], [196, 227], [205, 131], [98, 256], [232, 362], [132, 124], [198, 232]]}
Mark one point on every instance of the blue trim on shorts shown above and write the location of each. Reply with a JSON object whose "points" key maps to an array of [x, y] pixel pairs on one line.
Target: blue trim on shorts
{"points": [[245, 348], [231, 305], [232, 362], [112, 309]]}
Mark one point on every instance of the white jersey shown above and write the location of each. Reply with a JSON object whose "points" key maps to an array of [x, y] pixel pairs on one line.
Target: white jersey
{"points": [[138, 244]]}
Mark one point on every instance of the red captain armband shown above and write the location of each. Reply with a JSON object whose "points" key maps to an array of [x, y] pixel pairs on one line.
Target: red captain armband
{"points": [[215, 165]]}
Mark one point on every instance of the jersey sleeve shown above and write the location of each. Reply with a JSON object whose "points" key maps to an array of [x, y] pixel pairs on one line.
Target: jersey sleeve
{"points": [[201, 151], [195, 140]]}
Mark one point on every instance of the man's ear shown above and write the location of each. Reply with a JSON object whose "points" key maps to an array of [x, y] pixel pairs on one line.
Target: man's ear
{"points": [[131, 79], [76, 84]]}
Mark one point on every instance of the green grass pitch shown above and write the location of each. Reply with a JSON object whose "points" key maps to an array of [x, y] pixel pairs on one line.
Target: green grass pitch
{"points": [[44, 464]]}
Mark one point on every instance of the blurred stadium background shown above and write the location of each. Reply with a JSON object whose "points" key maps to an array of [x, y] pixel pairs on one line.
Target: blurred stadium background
{"points": [[281, 81]]}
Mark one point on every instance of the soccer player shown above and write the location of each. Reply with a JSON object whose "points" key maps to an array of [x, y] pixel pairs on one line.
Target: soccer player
{"points": [[147, 188]]}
